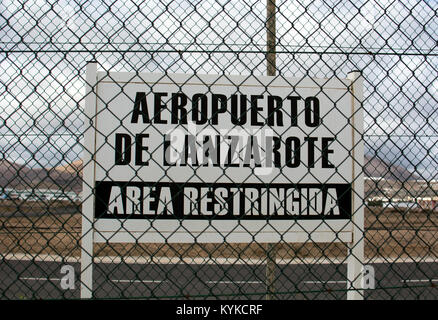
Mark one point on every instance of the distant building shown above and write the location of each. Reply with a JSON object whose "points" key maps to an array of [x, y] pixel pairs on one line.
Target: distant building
{"points": [[428, 203], [39, 194]]}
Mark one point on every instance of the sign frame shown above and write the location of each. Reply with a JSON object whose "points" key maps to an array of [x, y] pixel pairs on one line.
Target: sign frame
{"points": [[204, 231]]}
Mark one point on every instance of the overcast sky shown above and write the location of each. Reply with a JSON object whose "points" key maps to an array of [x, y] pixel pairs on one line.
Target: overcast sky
{"points": [[41, 93]]}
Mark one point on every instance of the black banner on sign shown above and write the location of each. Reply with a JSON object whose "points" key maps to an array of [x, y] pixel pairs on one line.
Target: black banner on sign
{"points": [[222, 201]]}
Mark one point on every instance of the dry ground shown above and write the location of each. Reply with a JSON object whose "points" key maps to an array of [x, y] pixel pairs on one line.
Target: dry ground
{"points": [[389, 234]]}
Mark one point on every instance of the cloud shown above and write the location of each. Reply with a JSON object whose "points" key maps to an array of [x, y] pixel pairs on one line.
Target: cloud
{"points": [[42, 93]]}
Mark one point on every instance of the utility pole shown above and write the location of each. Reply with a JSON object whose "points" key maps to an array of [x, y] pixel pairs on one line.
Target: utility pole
{"points": [[271, 248]]}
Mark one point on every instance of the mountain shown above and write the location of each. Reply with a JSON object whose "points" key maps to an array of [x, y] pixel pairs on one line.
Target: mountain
{"points": [[13, 175], [374, 167], [69, 177], [377, 168], [73, 168]]}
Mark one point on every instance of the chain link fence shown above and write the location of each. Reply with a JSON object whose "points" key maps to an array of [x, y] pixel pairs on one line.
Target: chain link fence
{"points": [[44, 50]]}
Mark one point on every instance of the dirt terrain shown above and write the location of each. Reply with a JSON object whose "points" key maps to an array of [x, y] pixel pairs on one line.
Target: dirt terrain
{"points": [[388, 234]]}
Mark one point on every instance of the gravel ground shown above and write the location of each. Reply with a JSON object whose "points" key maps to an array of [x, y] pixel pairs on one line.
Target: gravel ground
{"points": [[45, 228]]}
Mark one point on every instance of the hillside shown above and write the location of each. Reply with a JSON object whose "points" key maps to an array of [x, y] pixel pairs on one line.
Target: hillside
{"points": [[69, 177], [378, 168], [13, 175], [72, 168]]}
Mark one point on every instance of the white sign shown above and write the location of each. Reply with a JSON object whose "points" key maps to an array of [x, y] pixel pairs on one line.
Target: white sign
{"points": [[184, 158], [203, 158], [213, 158]]}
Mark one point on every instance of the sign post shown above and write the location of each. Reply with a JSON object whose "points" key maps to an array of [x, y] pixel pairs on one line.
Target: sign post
{"points": [[271, 65], [87, 237], [356, 253], [179, 158]]}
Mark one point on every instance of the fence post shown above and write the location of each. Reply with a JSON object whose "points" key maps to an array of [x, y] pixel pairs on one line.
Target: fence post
{"points": [[355, 259], [87, 238], [271, 248]]}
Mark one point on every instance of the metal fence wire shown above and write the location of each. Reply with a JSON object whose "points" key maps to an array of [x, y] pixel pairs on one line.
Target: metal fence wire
{"points": [[44, 50]]}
